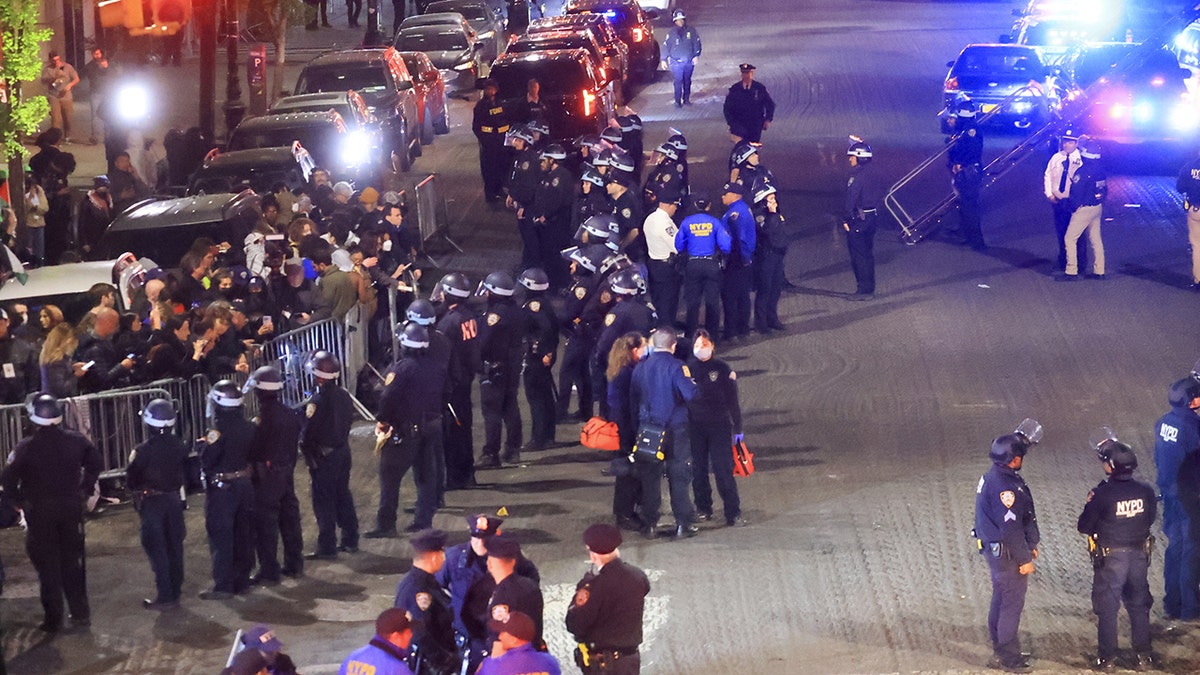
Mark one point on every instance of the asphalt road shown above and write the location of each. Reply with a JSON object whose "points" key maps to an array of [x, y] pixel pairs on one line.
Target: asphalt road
{"points": [[871, 421]]}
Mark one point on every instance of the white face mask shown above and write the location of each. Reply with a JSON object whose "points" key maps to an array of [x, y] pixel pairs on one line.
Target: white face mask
{"points": [[703, 353], [387, 245]]}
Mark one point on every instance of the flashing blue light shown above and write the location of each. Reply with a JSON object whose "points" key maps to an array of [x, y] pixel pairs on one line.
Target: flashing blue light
{"points": [[610, 14]]}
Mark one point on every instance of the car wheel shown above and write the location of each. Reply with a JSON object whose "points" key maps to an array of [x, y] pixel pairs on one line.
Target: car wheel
{"points": [[427, 127], [402, 159], [441, 125]]}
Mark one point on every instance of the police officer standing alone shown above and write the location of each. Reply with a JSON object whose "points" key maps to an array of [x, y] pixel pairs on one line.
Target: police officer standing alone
{"points": [[1007, 531], [1056, 183], [1177, 437], [273, 458], [155, 476], [490, 124], [420, 594], [229, 496], [325, 444], [749, 109], [1189, 184], [541, 346], [1088, 191], [702, 240], [39, 477], [681, 51], [500, 340], [863, 194], [771, 248], [605, 616], [1117, 520]]}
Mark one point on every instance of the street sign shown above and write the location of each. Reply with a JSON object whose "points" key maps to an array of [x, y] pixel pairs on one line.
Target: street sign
{"points": [[256, 79]]}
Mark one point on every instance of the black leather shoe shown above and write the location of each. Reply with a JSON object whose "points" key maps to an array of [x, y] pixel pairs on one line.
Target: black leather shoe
{"points": [[348, 549], [49, 627], [414, 528], [381, 534], [1145, 661], [488, 462], [84, 622], [686, 531], [1103, 665], [212, 594], [631, 524], [649, 532], [260, 580], [292, 574], [736, 522], [317, 555], [512, 458], [703, 517], [161, 606], [860, 297]]}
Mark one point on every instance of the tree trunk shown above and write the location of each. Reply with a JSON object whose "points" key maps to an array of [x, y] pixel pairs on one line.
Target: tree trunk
{"points": [[280, 55], [16, 186]]}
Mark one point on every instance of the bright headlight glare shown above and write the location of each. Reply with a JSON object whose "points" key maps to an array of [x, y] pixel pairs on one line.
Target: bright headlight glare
{"points": [[1143, 112], [356, 148], [463, 66], [1185, 117], [133, 102]]}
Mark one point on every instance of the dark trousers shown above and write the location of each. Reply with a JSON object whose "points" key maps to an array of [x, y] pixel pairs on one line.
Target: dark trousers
{"points": [[498, 399], [682, 72], [162, 538], [493, 163], [735, 296], [600, 384], [539, 392], [398, 8], [333, 502], [459, 446], [970, 221], [712, 449], [229, 521], [629, 664], [398, 455], [1004, 616], [574, 372], [1062, 219], [769, 270], [1122, 577], [531, 242], [664, 282], [627, 486], [860, 241], [678, 467], [702, 282], [1179, 564], [277, 517], [54, 542], [353, 9], [553, 238]]}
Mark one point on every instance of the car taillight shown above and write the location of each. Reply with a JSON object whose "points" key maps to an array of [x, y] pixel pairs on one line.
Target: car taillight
{"points": [[951, 83], [639, 34], [589, 102]]}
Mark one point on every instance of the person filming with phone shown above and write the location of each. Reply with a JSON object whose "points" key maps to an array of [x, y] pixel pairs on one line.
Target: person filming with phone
{"points": [[97, 365]]}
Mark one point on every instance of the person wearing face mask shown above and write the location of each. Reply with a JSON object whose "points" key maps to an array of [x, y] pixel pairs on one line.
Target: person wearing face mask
{"points": [[714, 420]]}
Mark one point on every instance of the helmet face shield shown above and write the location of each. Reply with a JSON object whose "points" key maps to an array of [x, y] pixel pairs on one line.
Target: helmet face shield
{"points": [[1030, 429], [1101, 437]]}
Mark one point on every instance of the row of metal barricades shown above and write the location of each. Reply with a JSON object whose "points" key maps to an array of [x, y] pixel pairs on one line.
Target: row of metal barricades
{"points": [[112, 419]]}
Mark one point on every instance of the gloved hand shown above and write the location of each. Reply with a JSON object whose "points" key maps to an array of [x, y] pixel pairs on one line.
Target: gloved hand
{"points": [[738, 438]]}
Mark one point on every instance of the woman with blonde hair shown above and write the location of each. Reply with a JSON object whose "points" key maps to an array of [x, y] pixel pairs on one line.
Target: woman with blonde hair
{"points": [[622, 358], [58, 377]]}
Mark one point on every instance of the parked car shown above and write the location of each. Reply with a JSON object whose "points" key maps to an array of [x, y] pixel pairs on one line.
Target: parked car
{"points": [[990, 73], [577, 100], [613, 48], [487, 24], [610, 67], [431, 95], [66, 286], [633, 25], [352, 154], [382, 79], [349, 104], [165, 229], [258, 170], [1134, 94], [452, 47]]}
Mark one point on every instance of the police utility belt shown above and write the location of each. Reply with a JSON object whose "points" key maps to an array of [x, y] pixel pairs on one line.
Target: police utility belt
{"points": [[590, 656], [220, 479], [1099, 552]]}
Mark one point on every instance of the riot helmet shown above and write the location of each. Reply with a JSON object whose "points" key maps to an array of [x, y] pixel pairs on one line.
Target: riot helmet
{"points": [[554, 151], [422, 312], [621, 160], [323, 365], [762, 187], [627, 282], [534, 279], [226, 394], [518, 131], [414, 336], [742, 151], [266, 378], [592, 176], [453, 285], [667, 151], [859, 149], [159, 413], [611, 135], [497, 283], [538, 127], [678, 141], [43, 409]]}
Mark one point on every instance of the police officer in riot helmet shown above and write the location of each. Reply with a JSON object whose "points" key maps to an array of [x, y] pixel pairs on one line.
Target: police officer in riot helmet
{"points": [[523, 182], [1176, 440], [629, 313], [325, 445], [574, 373], [541, 345], [590, 198], [500, 348], [551, 213], [461, 329], [273, 459], [769, 253], [155, 476], [422, 312], [229, 493], [1007, 532], [864, 193], [40, 478], [409, 429], [1117, 519]]}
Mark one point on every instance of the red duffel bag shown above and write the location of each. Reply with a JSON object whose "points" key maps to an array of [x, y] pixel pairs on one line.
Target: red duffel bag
{"points": [[599, 434]]}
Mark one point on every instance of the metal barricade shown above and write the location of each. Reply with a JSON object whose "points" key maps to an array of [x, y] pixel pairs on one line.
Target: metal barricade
{"points": [[432, 218], [12, 428], [112, 420], [346, 340]]}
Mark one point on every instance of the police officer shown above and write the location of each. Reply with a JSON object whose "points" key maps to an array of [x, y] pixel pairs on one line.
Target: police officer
{"points": [[541, 345], [387, 653], [661, 389], [662, 262], [1176, 439], [155, 477], [967, 181], [514, 653], [20, 374], [591, 199], [702, 240], [966, 145], [459, 326], [628, 210], [273, 459], [739, 267], [50, 471], [1188, 183], [490, 124], [500, 349], [632, 139], [1088, 189], [1056, 183], [410, 427], [749, 109], [1007, 531], [422, 312], [523, 180], [681, 50], [513, 592], [745, 163], [629, 313], [667, 174], [420, 594], [582, 328], [325, 444], [679, 142], [860, 211], [551, 214], [1117, 519], [769, 253], [605, 616], [715, 423], [229, 495]]}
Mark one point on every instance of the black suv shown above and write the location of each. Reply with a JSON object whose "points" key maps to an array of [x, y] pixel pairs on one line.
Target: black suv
{"points": [[613, 48], [632, 23], [612, 68], [164, 230], [382, 79], [576, 98], [351, 154], [258, 170]]}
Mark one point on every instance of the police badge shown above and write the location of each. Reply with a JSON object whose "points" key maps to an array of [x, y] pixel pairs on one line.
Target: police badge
{"points": [[1008, 498], [493, 318], [580, 292]]}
